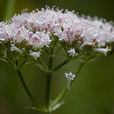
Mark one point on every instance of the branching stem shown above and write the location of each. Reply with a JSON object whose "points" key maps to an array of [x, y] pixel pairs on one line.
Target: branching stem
{"points": [[61, 65], [25, 86], [65, 89], [48, 82]]}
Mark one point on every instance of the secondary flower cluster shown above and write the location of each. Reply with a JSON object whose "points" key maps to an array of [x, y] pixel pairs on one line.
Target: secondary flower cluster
{"points": [[38, 28]]}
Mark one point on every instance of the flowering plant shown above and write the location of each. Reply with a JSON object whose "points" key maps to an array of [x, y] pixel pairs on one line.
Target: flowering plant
{"points": [[29, 37]]}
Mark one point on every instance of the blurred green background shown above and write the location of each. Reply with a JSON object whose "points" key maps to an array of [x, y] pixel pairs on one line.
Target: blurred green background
{"points": [[92, 92]]}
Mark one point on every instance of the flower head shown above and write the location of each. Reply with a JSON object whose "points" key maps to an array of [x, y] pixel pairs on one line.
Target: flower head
{"points": [[37, 28]]}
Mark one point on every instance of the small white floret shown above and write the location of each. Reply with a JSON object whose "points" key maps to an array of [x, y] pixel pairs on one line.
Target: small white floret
{"points": [[14, 48], [35, 55], [69, 77], [72, 52], [103, 50], [2, 39]]}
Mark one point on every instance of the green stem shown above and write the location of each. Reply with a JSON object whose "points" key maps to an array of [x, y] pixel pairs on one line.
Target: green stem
{"points": [[43, 64], [60, 96], [61, 65], [48, 90], [48, 82], [48, 86], [65, 89], [56, 51], [6, 60], [24, 61], [25, 86]]}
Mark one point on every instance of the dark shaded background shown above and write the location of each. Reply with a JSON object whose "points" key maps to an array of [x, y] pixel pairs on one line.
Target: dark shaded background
{"points": [[92, 92]]}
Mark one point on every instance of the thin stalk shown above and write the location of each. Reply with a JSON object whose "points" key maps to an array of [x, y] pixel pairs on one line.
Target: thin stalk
{"points": [[25, 86], [43, 64], [24, 61], [61, 65], [48, 86], [59, 48], [65, 89], [60, 96], [6, 60], [48, 82]]}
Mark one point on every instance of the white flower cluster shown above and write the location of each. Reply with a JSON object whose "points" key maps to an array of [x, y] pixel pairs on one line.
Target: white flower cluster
{"points": [[17, 34], [37, 27]]}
